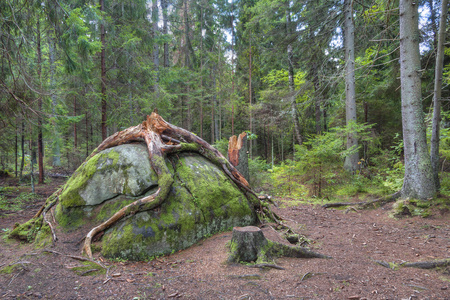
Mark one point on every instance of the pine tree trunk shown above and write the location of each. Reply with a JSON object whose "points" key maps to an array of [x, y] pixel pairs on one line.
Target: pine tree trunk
{"points": [[165, 31], [156, 46], [290, 55], [22, 144], [103, 75], [40, 142], [56, 143], [436, 124], [418, 182], [351, 161], [232, 68]]}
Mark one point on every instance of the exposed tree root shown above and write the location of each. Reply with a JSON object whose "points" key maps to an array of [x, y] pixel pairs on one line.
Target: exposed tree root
{"points": [[366, 204], [263, 266], [80, 258], [432, 264], [161, 138], [249, 244]]}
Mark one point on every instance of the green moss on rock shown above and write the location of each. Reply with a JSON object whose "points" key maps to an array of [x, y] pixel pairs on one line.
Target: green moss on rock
{"points": [[202, 201]]}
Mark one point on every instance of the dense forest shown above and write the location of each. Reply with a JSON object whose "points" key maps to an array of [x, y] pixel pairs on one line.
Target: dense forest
{"points": [[329, 92]]}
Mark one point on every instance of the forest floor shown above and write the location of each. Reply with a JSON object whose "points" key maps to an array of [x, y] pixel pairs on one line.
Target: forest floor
{"points": [[354, 239]]}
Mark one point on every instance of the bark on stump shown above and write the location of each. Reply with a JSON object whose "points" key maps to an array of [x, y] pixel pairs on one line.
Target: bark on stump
{"points": [[237, 154], [248, 244]]}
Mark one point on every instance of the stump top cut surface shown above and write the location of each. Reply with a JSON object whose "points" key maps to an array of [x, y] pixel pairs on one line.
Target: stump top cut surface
{"points": [[247, 229]]}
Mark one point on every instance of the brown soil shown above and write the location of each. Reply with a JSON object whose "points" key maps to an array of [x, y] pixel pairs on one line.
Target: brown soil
{"points": [[354, 240]]}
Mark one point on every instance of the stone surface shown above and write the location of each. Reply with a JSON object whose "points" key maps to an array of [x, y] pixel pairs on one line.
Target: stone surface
{"points": [[202, 201]]}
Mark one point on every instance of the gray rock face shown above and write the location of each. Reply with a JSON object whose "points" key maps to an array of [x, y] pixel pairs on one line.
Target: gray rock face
{"points": [[130, 175], [202, 201]]}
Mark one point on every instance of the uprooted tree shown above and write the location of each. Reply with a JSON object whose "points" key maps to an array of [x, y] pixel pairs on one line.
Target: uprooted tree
{"points": [[192, 191], [129, 214]]}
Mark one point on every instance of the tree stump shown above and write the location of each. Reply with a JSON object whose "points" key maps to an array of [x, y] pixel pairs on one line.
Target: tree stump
{"points": [[248, 244], [237, 154]]}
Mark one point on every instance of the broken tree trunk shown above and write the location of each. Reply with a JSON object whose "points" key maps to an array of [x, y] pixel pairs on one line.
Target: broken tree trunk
{"points": [[249, 244], [237, 154]]}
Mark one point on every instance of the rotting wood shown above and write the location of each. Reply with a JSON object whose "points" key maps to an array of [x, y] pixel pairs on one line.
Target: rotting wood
{"points": [[238, 155]]}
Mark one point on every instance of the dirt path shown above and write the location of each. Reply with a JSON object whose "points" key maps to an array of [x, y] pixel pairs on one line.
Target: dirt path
{"points": [[354, 240]]}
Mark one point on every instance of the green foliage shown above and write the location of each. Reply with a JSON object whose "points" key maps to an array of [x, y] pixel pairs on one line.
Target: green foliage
{"points": [[258, 171], [318, 164], [222, 146]]}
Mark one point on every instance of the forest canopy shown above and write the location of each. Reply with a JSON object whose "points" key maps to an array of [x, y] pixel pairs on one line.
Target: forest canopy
{"points": [[318, 85]]}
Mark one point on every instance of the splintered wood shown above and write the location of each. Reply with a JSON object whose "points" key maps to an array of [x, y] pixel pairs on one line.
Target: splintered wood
{"points": [[237, 153]]}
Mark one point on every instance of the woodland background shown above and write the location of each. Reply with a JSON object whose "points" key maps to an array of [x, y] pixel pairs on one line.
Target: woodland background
{"points": [[74, 72]]}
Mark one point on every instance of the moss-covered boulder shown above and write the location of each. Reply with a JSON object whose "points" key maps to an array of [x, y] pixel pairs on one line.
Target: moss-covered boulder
{"points": [[202, 201]]}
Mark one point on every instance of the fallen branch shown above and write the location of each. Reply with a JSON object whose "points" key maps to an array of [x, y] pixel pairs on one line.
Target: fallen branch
{"points": [[365, 204]]}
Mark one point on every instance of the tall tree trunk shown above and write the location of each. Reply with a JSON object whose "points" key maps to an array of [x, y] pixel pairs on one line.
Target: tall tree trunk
{"points": [[351, 161], [75, 132], [16, 149], [39, 71], [250, 95], [22, 144], [103, 74], [165, 32], [155, 20], [87, 133], [56, 145], [186, 34], [433, 22], [232, 68], [418, 181], [293, 100], [201, 71], [437, 94], [317, 101]]}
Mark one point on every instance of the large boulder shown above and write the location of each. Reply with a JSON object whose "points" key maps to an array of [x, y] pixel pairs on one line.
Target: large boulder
{"points": [[202, 201]]}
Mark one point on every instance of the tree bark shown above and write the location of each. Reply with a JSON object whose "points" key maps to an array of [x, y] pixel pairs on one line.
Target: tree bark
{"points": [[238, 155], [418, 181], [22, 144], [155, 20], [232, 68], [249, 244], [165, 31], [39, 71], [56, 144], [351, 161], [293, 101], [436, 123], [103, 74]]}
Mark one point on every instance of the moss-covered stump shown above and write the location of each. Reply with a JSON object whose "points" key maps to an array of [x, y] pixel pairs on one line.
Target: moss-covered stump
{"points": [[202, 201], [248, 244]]}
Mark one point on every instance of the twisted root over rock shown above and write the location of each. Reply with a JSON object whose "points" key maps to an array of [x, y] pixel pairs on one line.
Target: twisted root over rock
{"points": [[161, 138]]}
